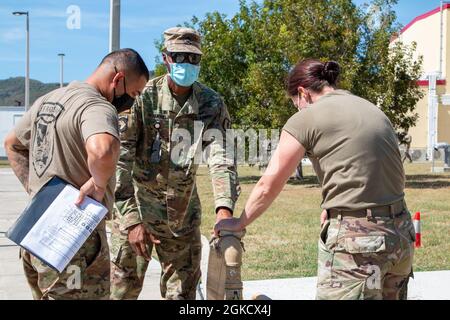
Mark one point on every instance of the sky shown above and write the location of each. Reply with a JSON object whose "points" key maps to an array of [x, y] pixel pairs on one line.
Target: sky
{"points": [[54, 28]]}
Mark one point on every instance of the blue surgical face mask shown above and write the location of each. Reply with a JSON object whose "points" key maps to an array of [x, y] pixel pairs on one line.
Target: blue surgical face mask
{"points": [[184, 74]]}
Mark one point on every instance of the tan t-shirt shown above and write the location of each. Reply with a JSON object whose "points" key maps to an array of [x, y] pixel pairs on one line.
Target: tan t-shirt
{"points": [[354, 151], [55, 130]]}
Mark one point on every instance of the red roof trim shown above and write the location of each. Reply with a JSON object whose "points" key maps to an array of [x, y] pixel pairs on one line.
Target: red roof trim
{"points": [[426, 83], [424, 16]]}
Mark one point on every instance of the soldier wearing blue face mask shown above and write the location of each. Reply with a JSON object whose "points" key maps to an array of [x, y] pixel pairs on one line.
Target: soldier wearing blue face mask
{"points": [[157, 205], [182, 55]]}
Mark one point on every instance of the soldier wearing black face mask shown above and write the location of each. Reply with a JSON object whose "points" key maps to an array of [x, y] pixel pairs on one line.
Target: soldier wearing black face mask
{"points": [[61, 134], [124, 101]]}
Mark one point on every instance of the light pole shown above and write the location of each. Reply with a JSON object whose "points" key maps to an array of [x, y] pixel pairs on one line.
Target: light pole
{"points": [[61, 74], [27, 76], [114, 25]]}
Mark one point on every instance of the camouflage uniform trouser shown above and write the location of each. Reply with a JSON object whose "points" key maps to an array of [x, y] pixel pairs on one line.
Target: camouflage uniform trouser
{"points": [[361, 258], [85, 277], [180, 265]]}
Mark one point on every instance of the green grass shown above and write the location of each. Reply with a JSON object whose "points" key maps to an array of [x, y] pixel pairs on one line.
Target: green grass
{"points": [[4, 163], [283, 242]]}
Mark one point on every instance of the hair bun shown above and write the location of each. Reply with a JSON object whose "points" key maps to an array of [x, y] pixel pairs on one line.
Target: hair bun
{"points": [[331, 72]]}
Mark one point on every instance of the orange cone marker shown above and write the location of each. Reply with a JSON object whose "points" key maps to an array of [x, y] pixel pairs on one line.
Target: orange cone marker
{"points": [[416, 222]]}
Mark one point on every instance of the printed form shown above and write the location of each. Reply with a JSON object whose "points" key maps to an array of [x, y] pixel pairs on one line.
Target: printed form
{"points": [[63, 228]]}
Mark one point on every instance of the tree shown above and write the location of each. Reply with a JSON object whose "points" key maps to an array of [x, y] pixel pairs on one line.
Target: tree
{"points": [[248, 56], [399, 93], [389, 72]]}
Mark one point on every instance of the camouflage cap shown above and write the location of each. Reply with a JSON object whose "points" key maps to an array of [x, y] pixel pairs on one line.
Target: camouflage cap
{"points": [[181, 39]]}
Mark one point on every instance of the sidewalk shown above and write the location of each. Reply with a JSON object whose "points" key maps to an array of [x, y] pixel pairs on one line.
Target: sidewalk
{"points": [[425, 285]]}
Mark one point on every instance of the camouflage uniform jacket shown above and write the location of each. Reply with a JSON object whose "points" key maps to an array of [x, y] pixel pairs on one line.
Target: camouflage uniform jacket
{"points": [[158, 164]]}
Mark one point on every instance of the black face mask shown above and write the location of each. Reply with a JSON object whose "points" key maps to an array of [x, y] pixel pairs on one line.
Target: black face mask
{"points": [[125, 101]]}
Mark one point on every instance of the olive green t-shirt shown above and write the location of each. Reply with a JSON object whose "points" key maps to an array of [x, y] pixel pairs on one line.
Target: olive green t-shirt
{"points": [[354, 151], [55, 130]]}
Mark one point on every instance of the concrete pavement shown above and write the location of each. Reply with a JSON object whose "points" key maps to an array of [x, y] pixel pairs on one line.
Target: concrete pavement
{"points": [[426, 285]]}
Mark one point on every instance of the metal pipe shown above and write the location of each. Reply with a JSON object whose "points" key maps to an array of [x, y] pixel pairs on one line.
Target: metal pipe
{"points": [[441, 41], [432, 114], [27, 78], [441, 45], [61, 74], [27, 64]]}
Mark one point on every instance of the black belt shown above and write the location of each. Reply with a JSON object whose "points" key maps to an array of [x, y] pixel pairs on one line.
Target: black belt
{"points": [[392, 210]]}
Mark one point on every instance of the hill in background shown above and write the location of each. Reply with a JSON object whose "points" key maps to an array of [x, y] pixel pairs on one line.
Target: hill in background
{"points": [[13, 90]]}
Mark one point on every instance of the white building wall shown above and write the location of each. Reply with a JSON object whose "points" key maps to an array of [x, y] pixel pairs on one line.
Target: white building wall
{"points": [[8, 118], [433, 125], [426, 32]]}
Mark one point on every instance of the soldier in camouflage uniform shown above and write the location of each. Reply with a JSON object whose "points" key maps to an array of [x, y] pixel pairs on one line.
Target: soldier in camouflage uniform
{"points": [[407, 142], [366, 257], [157, 204]]}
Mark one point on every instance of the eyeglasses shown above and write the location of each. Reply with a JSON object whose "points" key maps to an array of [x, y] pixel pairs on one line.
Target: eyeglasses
{"points": [[185, 57]]}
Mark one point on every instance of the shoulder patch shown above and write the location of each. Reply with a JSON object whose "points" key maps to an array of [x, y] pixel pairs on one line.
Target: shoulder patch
{"points": [[123, 123]]}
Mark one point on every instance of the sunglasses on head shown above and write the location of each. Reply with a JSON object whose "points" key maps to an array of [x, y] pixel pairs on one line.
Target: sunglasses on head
{"points": [[185, 57]]}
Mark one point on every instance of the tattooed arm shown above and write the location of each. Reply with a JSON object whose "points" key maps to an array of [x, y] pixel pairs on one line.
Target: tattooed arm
{"points": [[18, 156]]}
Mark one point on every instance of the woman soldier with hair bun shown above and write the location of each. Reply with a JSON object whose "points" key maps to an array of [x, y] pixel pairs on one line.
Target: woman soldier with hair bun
{"points": [[366, 242]]}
